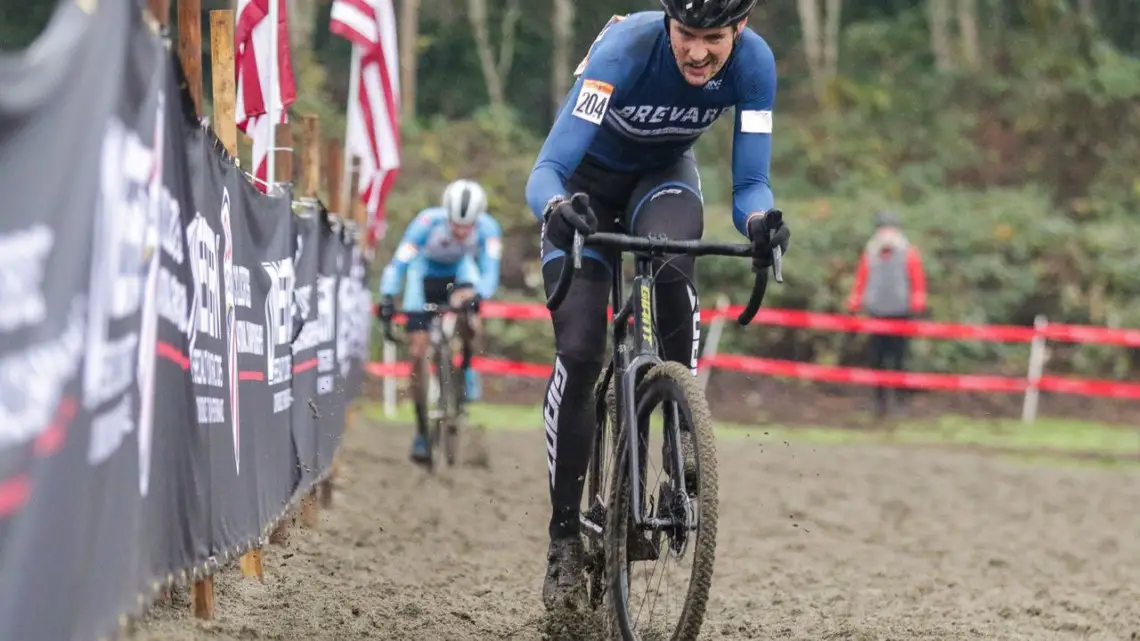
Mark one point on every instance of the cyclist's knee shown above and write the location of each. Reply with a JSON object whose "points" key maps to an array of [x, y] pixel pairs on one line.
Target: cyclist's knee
{"points": [[417, 345], [678, 214], [580, 323]]}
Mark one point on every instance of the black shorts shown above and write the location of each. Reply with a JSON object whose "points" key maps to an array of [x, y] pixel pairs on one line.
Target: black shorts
{"points": [[665, 201], [618, 199], [437, 291]]}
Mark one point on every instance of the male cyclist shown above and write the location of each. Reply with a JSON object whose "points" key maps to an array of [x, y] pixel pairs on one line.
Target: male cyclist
{"points": [[438, 255], [619, 157]]}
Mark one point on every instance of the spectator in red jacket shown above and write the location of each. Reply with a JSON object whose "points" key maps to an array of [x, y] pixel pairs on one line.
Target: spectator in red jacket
{"points": [[889, 283]]}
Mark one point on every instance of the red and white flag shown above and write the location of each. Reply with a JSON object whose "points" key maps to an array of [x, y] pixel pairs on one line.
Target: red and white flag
{"points": [[252, 50], [373, 130]]}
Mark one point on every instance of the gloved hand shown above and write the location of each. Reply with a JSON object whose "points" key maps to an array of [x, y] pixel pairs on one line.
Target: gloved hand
{"points": [[386, 309], [472, 304], [567, 216], [767, 230]]}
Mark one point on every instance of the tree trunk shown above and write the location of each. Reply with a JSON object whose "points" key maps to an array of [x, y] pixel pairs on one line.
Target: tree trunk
{"points": [[820, 20], [409, 51], [939, 14], [968, 27], [562, 28], [810, 21], [1087, 11], [494, 71], [831, 38]]}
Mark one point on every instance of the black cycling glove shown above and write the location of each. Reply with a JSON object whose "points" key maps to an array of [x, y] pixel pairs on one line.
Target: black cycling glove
{"points": [[472, 304], [387, 308], [567, 216], [767, 230]]}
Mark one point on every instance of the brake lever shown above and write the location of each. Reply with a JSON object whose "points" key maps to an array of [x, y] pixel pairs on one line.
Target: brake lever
{"points": [[778, 264]]}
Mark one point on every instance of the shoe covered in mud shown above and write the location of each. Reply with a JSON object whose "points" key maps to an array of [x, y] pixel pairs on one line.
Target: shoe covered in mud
{"points": [[420, 453], [565, 585]]}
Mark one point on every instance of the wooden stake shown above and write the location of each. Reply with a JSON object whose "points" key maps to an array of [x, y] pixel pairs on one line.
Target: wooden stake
{"points": [[190, 47], [160, 9], [284, 162], [311, 157], [280, 534], [309, 509], [202, 598], [225, 89], [334, 159], [252, 566]]}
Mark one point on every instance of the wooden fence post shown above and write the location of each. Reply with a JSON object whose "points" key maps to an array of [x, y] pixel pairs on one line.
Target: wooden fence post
{"points": [[190, 55], [334, 160], [190, 47], [283, 163], [160, 9]]}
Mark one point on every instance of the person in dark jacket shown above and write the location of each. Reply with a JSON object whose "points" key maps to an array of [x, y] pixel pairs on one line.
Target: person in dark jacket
{"points": [[889, 283]]}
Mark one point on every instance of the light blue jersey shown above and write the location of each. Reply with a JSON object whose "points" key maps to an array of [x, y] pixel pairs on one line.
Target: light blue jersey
{"points": [[429, 250], [631, 110]]}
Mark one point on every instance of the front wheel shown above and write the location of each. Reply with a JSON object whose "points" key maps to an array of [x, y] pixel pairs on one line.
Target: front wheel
{"points": [[443, 428], [642, 599]]}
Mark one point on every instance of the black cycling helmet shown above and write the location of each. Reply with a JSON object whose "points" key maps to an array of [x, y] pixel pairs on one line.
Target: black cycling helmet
{"points": [[708, 14]]}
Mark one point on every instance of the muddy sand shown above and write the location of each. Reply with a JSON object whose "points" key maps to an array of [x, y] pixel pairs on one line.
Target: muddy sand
{"points": [[816, 543]]}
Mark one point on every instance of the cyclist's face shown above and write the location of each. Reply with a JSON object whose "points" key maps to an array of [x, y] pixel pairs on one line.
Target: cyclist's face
{"points": [[460, 232], [701, 53]]}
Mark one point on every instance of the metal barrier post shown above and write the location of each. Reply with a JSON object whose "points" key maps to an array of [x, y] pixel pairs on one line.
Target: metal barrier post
{"points": [[1037, 358]]}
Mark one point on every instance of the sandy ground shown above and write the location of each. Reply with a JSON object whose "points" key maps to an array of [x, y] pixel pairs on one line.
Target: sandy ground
{"points": [[816, 543]]}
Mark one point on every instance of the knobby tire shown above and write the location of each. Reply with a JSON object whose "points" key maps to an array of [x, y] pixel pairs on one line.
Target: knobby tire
{"points": [[669, 381]]}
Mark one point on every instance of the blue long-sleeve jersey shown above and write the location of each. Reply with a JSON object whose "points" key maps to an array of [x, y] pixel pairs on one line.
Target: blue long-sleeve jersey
{"points": [[631, 110], [428, 241]]}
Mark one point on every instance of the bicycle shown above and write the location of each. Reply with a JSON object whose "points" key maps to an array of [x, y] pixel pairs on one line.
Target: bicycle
{"points": [[628, 526], [446, 391]]}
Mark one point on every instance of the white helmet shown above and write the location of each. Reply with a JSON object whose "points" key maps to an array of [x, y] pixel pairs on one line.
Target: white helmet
{"points": [[464, 201]]}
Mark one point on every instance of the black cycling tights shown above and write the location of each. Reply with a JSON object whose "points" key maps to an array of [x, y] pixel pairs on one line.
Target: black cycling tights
{"points": [[580, 336]]}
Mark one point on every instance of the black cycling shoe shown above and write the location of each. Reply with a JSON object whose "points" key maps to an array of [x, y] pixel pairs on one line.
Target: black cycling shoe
{"points": [[565, 584]]}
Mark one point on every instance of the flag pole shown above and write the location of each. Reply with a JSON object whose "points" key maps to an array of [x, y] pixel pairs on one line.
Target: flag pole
{"points": [[353, 99], [274, 96]]}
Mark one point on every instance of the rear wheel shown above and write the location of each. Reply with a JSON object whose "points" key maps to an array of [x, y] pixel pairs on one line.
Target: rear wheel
{"points": [[640, 563], [597, 492]]}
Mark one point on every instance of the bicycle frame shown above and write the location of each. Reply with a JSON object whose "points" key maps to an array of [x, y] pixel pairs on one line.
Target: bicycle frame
{"points": [[639, 307], [628, 367]]}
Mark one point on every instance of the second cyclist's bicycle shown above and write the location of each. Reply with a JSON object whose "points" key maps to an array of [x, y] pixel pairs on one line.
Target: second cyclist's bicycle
{"points": [[629, 521], [446, 391]]}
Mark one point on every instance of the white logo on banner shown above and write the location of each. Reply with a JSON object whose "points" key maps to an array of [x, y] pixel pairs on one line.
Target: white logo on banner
{"points": [[23, 257], [206, 367], [124, 265], [231, 327], [279, 327]]}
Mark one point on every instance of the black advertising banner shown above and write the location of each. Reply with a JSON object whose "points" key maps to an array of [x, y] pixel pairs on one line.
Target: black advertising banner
{"points": [[307, 338], [178, 487], [176, 348], [77, 248], [213, 338], [264, 237], [330, 382]]}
